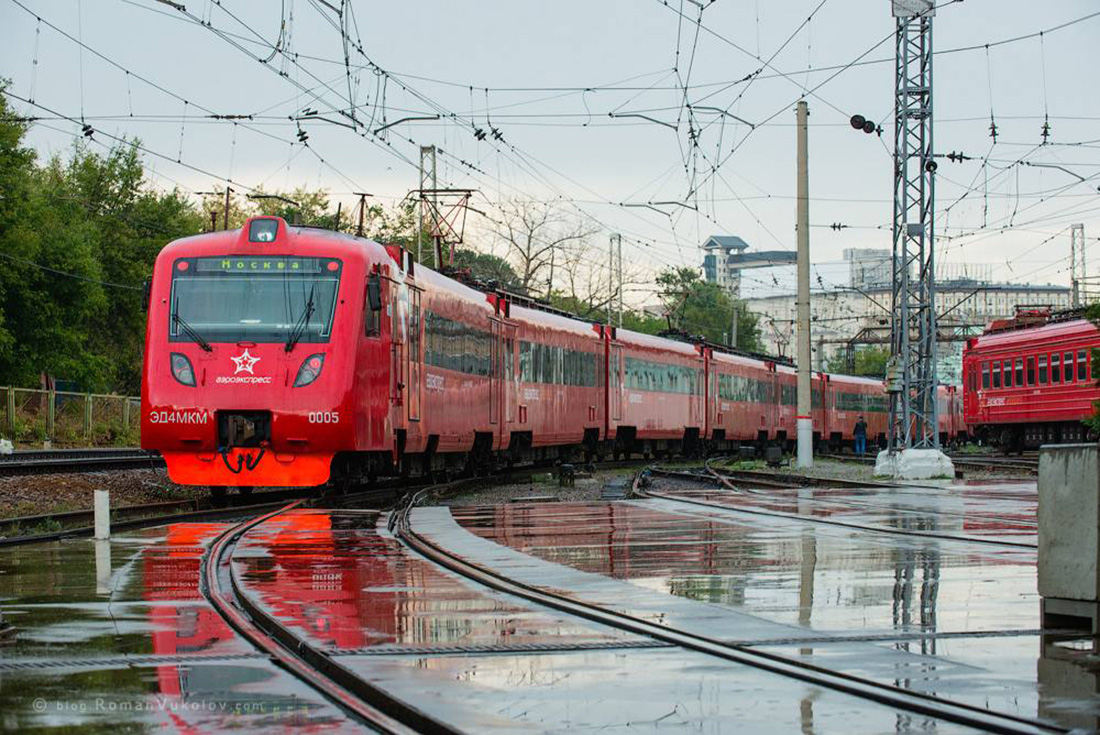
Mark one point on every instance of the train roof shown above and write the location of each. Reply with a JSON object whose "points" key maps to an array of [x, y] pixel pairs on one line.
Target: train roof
{"points": [[236, 242], [638, 339], [1032, 335]]}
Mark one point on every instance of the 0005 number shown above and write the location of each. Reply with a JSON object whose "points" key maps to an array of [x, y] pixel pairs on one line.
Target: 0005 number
{"points": [[324, 417]]}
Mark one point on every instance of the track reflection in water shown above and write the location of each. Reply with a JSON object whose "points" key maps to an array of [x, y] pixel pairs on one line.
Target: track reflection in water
{"points": [[345, 585], [117, 637]]}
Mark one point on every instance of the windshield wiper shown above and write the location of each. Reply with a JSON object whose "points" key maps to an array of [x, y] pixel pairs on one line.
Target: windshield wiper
{"points": [[302, 325], [190, 331]]}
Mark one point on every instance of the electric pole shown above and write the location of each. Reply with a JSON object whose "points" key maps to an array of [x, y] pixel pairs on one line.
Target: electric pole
{"points": [[427, 172], [619, 245], [362, 211], [805, 403], [614, 286], [1078, 275], [911, 377]]}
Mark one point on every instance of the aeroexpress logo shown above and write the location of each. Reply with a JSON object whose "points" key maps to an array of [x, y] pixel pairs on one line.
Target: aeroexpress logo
{"points": [[245, 363]]}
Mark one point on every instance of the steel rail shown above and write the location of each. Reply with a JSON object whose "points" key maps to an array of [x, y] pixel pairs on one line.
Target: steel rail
{"points": [[886, 694], [361, 699], [858, 504], [54, 461], [822, 521], [259, 502]]}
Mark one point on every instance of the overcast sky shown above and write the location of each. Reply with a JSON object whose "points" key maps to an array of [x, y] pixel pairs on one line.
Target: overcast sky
{"points": [[547, 75]]}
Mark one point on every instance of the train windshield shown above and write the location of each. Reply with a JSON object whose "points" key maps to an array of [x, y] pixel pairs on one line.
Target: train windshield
{"points": [[234, 299]]}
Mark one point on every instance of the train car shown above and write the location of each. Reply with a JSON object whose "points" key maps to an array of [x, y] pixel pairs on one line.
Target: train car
{"points": [[558, 384], [846, 399], [952, 421], [752, 401], [656, 394], [291, 356], [1031, 386]]}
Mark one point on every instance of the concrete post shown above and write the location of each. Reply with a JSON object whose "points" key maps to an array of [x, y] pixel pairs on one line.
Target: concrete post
{"points": [[102, 508], [805, 407]]}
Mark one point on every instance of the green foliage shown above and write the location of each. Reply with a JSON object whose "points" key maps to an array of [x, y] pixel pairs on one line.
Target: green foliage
{"points": [[92, 217], [869, 362], [701, 308], [487, 267]]}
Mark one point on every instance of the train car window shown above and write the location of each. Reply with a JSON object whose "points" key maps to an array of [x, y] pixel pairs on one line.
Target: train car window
{"points": [[372, 317], [1042, 369], [1019, 372], [1055, 368], [1031, 371], [1008, 374], [985, 375], [1082, 365], [1067, 366], [997, 375]]}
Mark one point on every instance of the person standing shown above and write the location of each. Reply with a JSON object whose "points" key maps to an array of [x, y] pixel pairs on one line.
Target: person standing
{"points": [[861, 436]]}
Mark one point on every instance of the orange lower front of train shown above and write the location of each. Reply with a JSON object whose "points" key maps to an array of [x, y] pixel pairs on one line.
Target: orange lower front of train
{"points": [[240, 467]]}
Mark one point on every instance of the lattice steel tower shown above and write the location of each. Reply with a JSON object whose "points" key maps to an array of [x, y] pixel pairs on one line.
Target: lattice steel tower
{"points": [[912, 379], [1078, 274]]}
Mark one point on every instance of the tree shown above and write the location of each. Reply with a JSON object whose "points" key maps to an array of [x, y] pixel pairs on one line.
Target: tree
{"points": [[704, 309], [533, 235], [77, 237], [869, 362], [487, 267]]}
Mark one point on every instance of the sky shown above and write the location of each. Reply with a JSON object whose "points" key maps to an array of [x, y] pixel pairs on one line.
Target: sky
{"points": [[665, 121]]}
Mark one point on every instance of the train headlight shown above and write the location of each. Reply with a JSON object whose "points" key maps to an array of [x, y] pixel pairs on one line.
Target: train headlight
{"points": [[310, 370], [182, 370]]}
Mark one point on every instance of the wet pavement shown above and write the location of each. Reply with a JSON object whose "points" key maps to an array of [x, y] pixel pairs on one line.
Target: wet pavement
{"points": [[118, 636]]}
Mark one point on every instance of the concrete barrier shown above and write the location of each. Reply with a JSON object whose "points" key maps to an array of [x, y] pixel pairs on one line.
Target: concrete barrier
{"points": [[1069, 532]]}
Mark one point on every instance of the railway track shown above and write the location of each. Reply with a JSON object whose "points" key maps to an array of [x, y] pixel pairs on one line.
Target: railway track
{"points": [[78, 524], [367, 703], [1018, 464], [132, 517], [52, 461], [718, 478], [864, 688]]}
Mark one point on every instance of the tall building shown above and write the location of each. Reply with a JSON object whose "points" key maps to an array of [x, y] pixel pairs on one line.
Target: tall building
{"points": [[716, 262], [868, 267], [725, 257]]}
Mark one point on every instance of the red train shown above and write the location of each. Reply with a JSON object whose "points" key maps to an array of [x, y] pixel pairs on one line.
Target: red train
{"points": [[1030, 381], [292, 356]]}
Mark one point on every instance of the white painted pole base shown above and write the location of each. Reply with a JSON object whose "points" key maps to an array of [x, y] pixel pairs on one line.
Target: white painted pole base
{"points": [[805, 443], [102, 514]]}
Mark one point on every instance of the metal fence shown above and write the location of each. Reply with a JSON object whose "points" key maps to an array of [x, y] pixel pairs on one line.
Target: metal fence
{"points": [[32, 417]]}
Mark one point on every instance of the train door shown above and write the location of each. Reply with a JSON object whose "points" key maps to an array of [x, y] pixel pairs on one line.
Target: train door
{"points": [[496, 373], [698, 393], [510, 384], [414, 353], [818, 403], [615, 381], [397, 348]]}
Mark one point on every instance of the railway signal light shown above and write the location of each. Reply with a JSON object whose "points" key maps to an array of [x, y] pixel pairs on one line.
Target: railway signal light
{"points": [[859, 122]]}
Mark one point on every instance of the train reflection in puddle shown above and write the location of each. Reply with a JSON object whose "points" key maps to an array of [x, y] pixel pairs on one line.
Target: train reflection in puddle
{"points": [[196, 692]]}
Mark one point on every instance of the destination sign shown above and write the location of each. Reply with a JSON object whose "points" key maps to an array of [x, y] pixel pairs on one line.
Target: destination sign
{"points": [[261, 265]]}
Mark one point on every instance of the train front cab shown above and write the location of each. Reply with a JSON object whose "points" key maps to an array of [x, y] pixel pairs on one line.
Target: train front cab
{"points": [[249, 376]]}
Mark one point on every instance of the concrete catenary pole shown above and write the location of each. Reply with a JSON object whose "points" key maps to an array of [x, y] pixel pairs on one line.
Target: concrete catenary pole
{"points": [[805, 417]]}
